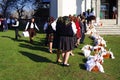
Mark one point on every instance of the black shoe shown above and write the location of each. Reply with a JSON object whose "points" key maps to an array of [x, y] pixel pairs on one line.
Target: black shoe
{"points": [[66, 65], [76, 46]]}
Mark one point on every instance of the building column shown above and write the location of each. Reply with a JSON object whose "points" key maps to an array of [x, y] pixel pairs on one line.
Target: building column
{"points": [[98, 9], [54, 8], [93, 5], [118, 19]]}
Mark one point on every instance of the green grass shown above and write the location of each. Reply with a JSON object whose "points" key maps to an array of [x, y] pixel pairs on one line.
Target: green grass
{"points": [[20, 60]]}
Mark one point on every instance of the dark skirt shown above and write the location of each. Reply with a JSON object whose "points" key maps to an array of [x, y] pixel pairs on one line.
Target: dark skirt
{"points": [[50, 37], [66, 43], [56, 41]]}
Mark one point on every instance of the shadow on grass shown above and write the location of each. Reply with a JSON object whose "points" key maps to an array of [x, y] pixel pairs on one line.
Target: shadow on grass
{"points": [[8, 37], [34, 57], [34, 47], [84, 60], [80, 53], [82, 66], [19, 40]]}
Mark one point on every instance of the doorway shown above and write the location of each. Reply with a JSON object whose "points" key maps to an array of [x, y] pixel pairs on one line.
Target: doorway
{"points": [[106, 11]]}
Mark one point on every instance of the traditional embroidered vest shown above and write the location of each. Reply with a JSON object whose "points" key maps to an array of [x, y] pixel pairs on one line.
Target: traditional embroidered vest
{"points": [[30, 25]]}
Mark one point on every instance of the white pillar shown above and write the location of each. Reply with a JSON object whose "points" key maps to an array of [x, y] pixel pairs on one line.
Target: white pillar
{"points": [[63, 7], [94, 5], [98, 9], [118, 19]]}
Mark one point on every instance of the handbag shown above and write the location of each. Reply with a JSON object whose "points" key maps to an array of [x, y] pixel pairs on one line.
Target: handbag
{"points": [[25, 33]]}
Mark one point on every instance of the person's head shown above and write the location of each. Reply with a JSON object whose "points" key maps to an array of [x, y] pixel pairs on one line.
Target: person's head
{"points": [[66, 20], [78, 18], [92, 9], [32, 19], [88, 11], [70, 17], [60, 19], [82, 18], [51, 19], [84, 14]]}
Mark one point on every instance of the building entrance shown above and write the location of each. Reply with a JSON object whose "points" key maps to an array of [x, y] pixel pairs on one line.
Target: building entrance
{"points": [[108, 9]]}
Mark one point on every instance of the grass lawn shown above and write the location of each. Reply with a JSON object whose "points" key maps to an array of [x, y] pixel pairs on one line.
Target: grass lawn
{"points": [[20, 60]]}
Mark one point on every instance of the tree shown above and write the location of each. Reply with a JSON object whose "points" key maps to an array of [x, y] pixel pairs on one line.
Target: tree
{"points": [[37, 3], [20, 4], [9, 6], [5, 5]]}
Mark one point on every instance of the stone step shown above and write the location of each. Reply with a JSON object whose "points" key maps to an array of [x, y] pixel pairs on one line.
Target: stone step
{"points": [[108, 21], [108, 33], [109, 29]]}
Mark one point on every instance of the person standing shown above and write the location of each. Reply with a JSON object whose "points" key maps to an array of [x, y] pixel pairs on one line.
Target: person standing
{"points": [[78, 34], [30, 27], [56, 42], [67, 31], [10, 21], [50, 33], [5, 25], [1, 24], [114, 12], [83, 29], [15, 27]]}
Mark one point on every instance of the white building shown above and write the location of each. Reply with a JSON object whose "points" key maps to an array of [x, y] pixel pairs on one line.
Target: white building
{"points": [[66, 7], [103, 9]]}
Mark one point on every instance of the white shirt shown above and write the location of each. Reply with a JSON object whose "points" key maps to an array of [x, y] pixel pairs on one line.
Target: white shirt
{"points": [[31, 26], [114, 8], [74, 27], [91, 14], [54, 25]]}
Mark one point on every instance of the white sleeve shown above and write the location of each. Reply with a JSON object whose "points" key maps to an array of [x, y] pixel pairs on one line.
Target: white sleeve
{"points": [[36, 27], [16, 25], [74, 27], [27, 26], [54, 25]]}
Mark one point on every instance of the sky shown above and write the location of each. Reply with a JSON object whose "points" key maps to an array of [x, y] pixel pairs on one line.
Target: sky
{"points": [[46, 0]]}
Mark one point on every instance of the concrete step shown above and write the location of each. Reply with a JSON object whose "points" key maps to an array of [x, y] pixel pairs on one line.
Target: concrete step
{"points": [[110, 29], [108, 21]]}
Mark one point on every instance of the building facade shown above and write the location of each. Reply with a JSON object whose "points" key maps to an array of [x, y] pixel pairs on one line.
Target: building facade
{"points": [[66, 7], [103, 9]]}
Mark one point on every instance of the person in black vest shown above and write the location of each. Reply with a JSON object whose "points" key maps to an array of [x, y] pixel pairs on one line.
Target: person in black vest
{"points": [[56, 26], [15, 27], [50, 33], [66, 32], [31, 25], [83, 29]]}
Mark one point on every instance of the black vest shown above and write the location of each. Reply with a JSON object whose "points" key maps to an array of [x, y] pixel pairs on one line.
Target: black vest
{"points": [[66, 30], [30, 25], [49, 29]]}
